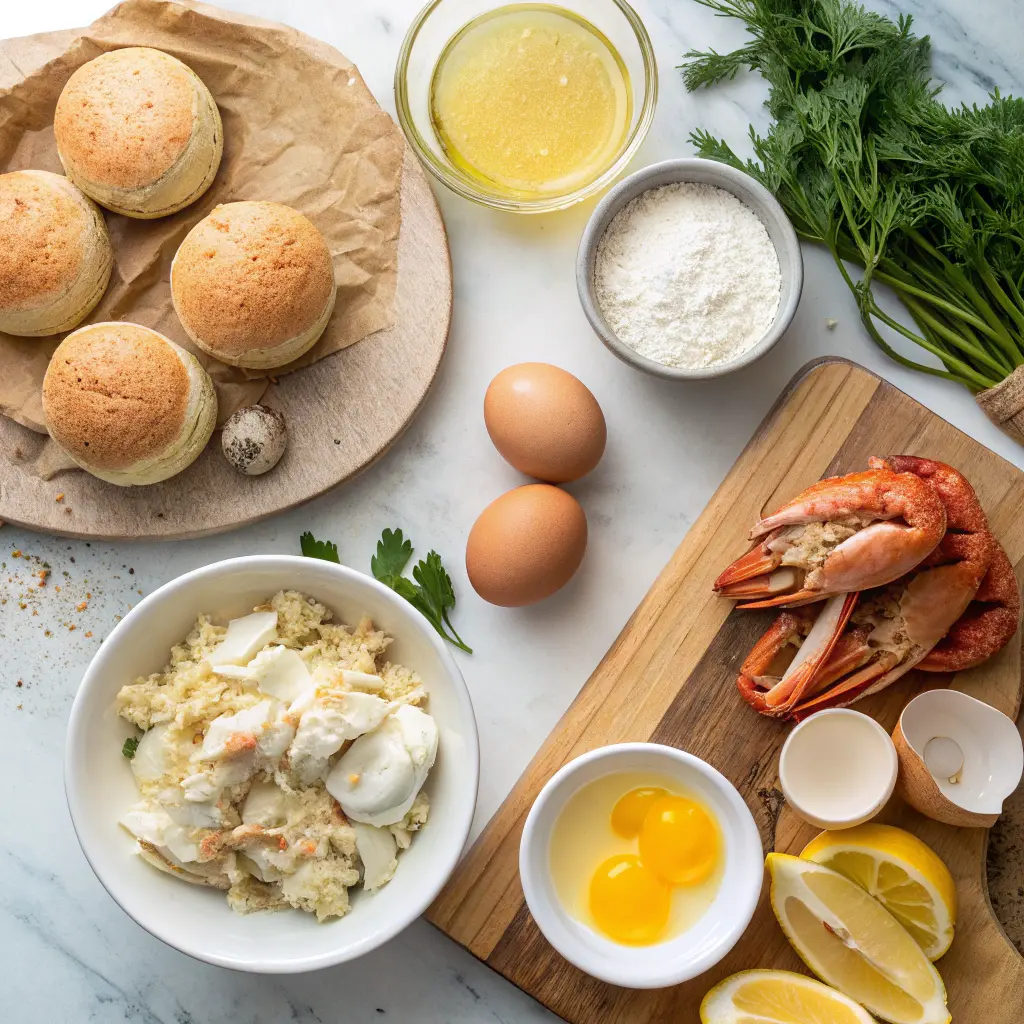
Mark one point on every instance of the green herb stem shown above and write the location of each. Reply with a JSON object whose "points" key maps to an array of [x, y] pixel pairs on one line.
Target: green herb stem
{"points": [[924, 199], [975, 352]]}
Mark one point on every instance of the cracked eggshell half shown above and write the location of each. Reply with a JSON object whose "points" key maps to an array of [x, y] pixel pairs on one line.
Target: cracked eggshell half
{"points": [[959, 758]]}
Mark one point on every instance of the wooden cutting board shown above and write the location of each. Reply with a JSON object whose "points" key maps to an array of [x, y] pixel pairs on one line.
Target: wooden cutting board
{"points": [[670, 678]]}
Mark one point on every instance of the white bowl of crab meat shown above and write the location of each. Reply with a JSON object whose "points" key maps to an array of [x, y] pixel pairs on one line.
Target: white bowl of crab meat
{"points": [[288, 766]]}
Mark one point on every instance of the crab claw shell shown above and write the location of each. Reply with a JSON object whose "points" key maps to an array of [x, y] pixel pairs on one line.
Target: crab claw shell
{"points": [[963, 509], [801, 673], [934, 599], [877, 553], [986, 626]]}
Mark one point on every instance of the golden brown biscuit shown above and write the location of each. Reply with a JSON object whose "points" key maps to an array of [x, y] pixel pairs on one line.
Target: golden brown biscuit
{"points": [[127, 404], [139, 132], [253, 284], [55, 255]]}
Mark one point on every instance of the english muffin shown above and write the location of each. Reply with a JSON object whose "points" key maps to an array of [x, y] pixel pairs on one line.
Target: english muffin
{"points": [[55, 255], [139, 132], [253, 284], [127, 404]]}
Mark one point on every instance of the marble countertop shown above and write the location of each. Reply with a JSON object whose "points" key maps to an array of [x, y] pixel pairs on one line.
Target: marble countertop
{"points": [[69, 953]]}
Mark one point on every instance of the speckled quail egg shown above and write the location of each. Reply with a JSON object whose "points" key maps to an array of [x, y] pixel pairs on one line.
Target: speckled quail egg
{"points": [[254, 439]]}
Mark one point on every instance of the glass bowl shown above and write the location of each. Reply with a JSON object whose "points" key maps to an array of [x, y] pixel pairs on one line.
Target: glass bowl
{"points": [[424, 43]]}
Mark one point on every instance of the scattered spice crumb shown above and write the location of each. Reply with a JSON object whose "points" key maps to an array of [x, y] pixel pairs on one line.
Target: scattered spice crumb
{"points": [[72, 627], [81, 607], [88, 636], [60, 497], [16, 553], [19, 683], [67, 510], [830, 323]]}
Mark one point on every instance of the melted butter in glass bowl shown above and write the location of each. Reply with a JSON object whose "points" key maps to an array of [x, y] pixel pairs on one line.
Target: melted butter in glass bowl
{"points": [[526, 107]]}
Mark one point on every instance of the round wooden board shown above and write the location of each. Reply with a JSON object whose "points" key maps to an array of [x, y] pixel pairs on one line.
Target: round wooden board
{"points": [[343, 413]]}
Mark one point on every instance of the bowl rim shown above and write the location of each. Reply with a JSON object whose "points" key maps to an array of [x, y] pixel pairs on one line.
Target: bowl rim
{"points": [[74, 784], [852, 820], [533, 845], [547, 204], [679, 170]]}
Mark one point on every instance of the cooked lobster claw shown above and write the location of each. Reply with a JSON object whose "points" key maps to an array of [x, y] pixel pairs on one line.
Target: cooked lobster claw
{"points": [[869, 644], [843, 534]]}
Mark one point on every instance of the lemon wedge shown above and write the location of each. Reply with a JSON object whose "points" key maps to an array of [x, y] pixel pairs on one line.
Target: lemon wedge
{"points": [[850, 941], [904, 874], [778, 997]]}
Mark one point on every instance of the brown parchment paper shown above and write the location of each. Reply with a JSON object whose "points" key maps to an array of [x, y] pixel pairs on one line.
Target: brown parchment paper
{"points": [[300, 127]]}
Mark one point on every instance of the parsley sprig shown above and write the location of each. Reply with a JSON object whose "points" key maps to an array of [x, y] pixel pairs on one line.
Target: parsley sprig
{"points": [[313, 548], [430, 589], [129, 747]]}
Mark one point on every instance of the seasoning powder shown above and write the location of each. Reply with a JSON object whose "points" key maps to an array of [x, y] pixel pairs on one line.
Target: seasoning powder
{"points": [[687, 276]]}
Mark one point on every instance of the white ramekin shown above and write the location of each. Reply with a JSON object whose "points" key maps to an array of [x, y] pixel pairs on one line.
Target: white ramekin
{"points": [[683, 956], [883, 757]]}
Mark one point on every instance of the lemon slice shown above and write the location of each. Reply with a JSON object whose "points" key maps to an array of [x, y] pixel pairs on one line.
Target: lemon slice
{"points": [[849, 940], [901, 872], [778, 997]]}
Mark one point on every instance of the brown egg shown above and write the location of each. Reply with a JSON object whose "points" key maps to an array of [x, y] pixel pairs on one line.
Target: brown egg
{"points": [[545, 422], [526, 545]]}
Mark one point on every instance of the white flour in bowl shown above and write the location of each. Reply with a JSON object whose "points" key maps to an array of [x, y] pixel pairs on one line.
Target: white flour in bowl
{"points": [[686, 275]]}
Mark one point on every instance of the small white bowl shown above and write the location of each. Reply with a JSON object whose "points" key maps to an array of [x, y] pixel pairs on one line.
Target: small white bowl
{"points": [[708, 172], [197, 920], [844, 741], [676, 959]]}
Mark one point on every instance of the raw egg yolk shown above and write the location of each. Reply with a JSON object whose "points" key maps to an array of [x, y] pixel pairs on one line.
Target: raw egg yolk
{"points": [[679, 841], [629, 812], [628, 901]]}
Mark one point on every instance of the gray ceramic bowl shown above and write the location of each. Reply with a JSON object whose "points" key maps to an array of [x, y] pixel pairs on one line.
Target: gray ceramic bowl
{"points": [[746, 189]]}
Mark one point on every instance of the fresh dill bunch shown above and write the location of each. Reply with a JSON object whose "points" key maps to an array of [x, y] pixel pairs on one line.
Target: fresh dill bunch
{"points": [[925, 199]]}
